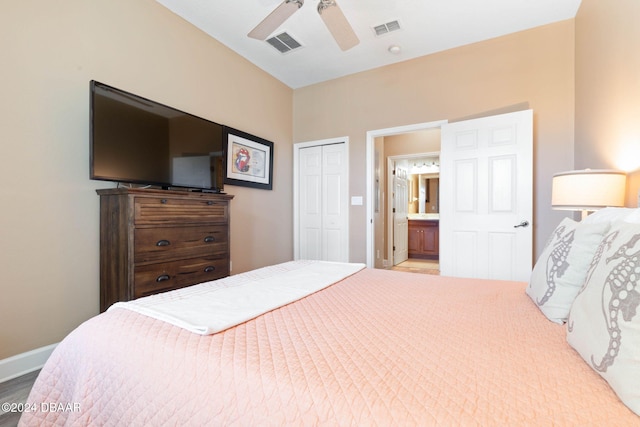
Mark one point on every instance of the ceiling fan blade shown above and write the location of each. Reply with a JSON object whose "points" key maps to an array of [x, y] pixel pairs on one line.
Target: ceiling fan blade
{"points": [[337, 24], [275, 19]]}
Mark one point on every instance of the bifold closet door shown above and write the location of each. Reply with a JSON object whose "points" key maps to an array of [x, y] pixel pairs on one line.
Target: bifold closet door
{"points": [[323, 203]]}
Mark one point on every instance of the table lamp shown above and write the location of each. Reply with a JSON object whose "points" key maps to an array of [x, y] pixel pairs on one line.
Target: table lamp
{"points": [[588, 190]]}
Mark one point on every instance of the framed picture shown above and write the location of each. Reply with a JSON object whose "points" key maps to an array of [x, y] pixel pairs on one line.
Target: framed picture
{"points": [[249, 159]]}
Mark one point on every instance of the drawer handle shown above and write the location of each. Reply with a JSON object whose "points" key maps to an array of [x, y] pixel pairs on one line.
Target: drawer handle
{"points": [[209, 202], [209, 239], [163, 278], [209, 269], [163, 242], [163, 201]]}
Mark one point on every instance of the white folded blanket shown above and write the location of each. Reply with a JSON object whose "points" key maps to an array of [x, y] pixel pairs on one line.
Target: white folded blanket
{"points": [[214, 306]]}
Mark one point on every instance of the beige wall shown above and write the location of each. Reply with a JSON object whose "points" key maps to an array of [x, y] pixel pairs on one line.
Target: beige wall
{"points": [[49, 216], [534, 67], [608, 88], [425, 141]]}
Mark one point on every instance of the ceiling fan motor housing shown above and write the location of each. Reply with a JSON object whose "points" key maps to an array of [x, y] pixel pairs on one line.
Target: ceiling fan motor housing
{"points": [[325, 4]]}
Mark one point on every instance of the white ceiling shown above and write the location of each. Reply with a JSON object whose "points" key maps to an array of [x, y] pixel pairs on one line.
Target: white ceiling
{"points": [[427, 26]]}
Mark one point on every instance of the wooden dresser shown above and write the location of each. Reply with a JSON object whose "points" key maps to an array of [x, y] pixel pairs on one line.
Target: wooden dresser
{"points": [[153, 241]]}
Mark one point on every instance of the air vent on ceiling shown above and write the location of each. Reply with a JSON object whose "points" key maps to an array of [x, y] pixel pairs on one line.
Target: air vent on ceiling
{"points": [[386, 28], [284, 42]]}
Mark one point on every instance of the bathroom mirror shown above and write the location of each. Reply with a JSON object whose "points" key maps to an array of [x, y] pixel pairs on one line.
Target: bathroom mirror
{"points": [[424, 193], [429, 189]]}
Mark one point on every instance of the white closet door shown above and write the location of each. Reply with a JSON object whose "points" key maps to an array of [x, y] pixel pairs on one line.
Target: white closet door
{"points": [[323, 207], [310, 179]]}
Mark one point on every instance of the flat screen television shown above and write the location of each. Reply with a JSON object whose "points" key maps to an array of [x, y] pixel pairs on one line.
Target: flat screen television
{"points": [[139, 141]]}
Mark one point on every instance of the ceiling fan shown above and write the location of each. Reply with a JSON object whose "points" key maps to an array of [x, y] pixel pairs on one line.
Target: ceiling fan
{"points": [[329, 11]]}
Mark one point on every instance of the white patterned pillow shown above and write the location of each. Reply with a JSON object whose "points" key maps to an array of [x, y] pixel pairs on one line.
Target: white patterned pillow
{"points": [[609, 215], [561, 269], [604, 324]]}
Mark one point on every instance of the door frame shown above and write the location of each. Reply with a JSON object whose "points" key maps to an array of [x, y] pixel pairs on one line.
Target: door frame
{"points": [[370, 176], [296, 184]]}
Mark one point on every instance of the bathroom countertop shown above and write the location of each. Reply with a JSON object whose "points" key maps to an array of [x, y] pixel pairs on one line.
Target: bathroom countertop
{"points": [[423, 216]]}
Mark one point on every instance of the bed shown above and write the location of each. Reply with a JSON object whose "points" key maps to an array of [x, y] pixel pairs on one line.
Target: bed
{"points": [[377, 347]]}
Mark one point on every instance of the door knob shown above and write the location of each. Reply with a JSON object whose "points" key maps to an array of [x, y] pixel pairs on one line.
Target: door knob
{"points": [[523, 224]]}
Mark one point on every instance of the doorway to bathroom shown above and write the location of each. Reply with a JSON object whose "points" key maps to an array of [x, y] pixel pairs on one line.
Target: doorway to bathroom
{"points": [[485, 198], [412, 152], [413, 187]]}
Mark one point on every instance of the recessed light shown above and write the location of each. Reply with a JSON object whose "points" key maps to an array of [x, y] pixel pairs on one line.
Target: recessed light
{"points": [[395, 49]]}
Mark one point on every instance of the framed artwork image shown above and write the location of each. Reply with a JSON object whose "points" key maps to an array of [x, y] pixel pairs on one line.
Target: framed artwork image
{"points": [[249, 159]]}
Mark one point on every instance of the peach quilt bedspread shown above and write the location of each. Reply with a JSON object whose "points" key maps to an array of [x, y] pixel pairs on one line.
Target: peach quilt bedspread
{"points": [[378, 348]]}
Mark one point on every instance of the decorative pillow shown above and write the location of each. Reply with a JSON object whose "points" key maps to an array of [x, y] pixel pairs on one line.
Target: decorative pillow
{"points": [[561, 269], [610, 215], [604, 324], [633, 217]]}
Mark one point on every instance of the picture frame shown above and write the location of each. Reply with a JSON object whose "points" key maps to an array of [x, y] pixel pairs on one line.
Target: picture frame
{"points": [[249, 159]]}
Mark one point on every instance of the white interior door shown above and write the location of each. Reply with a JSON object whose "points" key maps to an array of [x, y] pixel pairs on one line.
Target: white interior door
{"points": [[400, 218], [323, 203], [486, 186]]}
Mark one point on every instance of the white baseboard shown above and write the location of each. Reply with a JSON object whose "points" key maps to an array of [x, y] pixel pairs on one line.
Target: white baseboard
{"points": [[20, 364]]}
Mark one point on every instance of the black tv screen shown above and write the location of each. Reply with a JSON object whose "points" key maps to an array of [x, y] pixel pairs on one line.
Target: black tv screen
{"points": [[139, 141]]}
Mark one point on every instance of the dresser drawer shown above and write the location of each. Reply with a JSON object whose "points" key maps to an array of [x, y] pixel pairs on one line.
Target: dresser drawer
{"points": [[153, 278], [168, 243], [167, 210]]}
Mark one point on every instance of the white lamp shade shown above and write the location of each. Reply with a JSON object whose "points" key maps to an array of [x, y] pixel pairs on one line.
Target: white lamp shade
{"points": [[588, 189]]}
